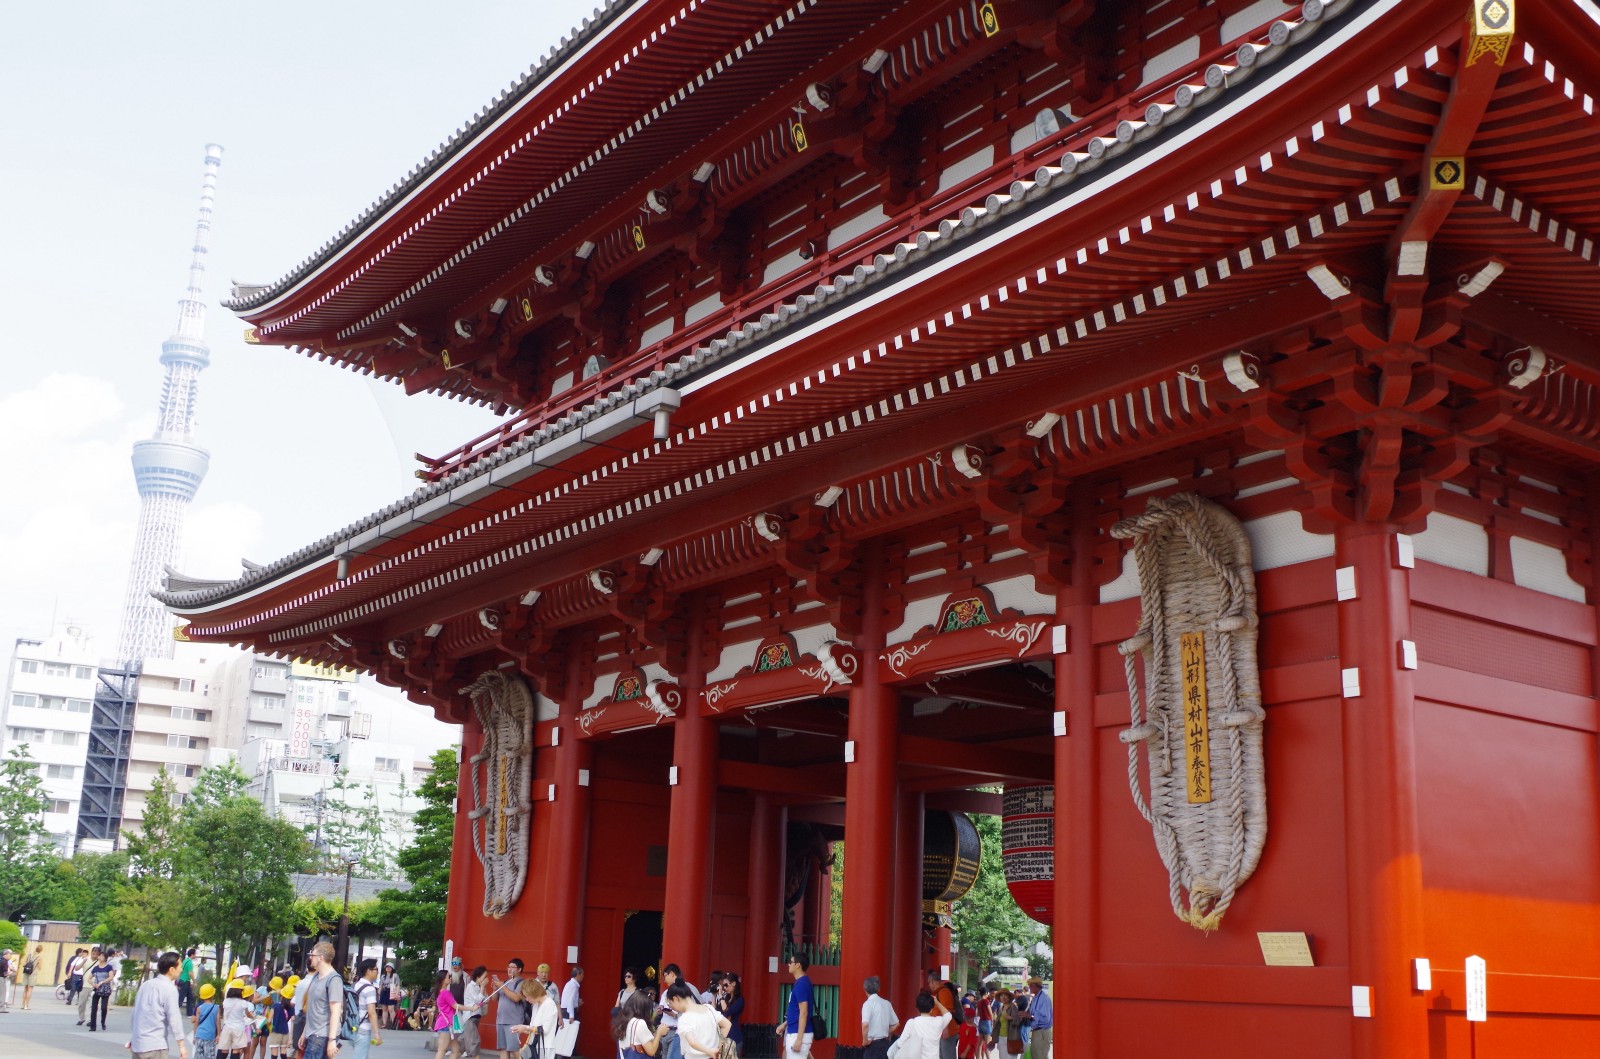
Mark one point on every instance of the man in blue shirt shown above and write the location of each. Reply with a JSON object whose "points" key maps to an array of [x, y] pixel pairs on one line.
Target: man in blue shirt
{"points": [[1041, 1018], [796, 1027]]}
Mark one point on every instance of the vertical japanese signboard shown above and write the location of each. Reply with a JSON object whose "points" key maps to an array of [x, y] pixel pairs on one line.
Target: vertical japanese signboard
{"points": [[1196, 724], [300, 724]]}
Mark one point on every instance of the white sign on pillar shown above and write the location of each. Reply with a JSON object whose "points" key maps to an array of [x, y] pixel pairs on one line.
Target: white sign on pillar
{"points": [[1477, 989]]}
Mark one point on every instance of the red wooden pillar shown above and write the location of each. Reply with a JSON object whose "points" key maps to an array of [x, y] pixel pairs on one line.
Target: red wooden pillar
{"points": [[463, 907], [904, 981], [1384, 858], [869, 818], [1077, 803], [569, 834], [691, 824], [761, 938]]}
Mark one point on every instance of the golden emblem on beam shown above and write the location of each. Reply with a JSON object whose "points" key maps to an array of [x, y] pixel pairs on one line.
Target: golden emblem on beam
{"points": [[797, 133], [1196, 725], [638, 237], [1492, 25], [527, 309], [991, 20], [251, 338], [444, 358], [1447, 174]]}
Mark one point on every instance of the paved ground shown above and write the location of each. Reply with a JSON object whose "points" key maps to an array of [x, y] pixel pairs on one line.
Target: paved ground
{"points": [[49, 1030]]}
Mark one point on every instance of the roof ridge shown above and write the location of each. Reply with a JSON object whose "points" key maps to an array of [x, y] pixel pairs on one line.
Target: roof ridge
{"points": [[1217, 80], [252, 296]]}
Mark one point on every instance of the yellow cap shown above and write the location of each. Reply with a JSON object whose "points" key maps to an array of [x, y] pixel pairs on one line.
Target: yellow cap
{"points": [[208, 991], [294, 979], [288, 992], [276, 983], [248, 992]]}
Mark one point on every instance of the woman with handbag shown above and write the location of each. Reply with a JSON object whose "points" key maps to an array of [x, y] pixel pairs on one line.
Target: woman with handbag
{"points": [[540, 1030], [446, 1022], [1008, 1027], [102, 979], [730, 1005], [636, 1039]]}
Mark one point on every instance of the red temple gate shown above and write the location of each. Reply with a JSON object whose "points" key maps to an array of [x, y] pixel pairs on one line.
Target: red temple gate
{"points": [[841, 333]]}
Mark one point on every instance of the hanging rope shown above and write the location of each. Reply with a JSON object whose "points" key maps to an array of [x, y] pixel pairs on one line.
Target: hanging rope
{"points": [[504, 706], [1200, 718]]}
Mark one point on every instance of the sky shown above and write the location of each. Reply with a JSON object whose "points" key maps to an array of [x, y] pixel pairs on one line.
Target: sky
{"points": [[105, 111]]}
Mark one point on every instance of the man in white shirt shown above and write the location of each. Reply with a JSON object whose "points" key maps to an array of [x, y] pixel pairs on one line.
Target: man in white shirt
{"points": [[570, 1000], [157, 1020], [923, 1033], [368, 1030], [878, 1021]]}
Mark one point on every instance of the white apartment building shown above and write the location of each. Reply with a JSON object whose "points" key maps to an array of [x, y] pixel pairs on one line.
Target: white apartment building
{"points": [[177, 725], [319, 744], [100, 732], [48, 705]]}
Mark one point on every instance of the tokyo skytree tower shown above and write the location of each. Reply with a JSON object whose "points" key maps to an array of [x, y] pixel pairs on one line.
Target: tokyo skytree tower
{"points": [[170, 466]]}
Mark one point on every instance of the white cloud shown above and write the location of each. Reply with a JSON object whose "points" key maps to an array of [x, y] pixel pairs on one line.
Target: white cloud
{"points": [[218, 536], [71, 510]]}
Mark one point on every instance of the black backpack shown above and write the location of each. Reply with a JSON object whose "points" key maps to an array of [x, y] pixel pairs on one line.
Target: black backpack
{"points": [[819, 1027]]}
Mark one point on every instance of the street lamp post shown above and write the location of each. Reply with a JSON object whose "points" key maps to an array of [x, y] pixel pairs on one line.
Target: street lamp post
{"points": [[343, 945]]}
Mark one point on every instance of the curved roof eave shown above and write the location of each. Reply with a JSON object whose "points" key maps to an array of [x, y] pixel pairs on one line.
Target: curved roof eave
{"points": [[720, 354], [486, 121]]}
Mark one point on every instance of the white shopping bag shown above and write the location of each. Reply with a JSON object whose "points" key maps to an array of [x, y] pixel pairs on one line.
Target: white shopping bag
{"points": [[567, 1039]]}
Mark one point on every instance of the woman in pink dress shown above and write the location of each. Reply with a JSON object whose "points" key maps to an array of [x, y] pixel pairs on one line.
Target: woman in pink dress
{"points": [[444, 1017]]}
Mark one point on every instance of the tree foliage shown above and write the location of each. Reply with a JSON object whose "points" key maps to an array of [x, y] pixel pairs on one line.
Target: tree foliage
{"points": [[87, 885], [987, 922], [416, 916], [151, 848], [11, 936], [27, 856], [217, 785], [148, 911], [351, 827], [233, 870]]}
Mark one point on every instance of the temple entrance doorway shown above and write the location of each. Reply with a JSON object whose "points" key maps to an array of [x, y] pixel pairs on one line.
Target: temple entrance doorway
{"points": [[641, 947]]}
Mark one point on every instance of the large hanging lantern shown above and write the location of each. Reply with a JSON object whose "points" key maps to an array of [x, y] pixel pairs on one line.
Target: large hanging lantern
{"points": [[1028, 849], [951, 850]]}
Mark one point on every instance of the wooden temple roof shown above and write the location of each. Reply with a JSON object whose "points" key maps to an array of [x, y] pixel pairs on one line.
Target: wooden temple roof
{"points": [[1230, 212]]}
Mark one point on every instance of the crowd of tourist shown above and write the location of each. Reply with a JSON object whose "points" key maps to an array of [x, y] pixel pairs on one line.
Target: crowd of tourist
{"points": [[288, 1016]]}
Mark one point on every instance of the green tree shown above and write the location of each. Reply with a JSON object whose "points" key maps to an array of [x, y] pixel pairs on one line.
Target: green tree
{"points": [[415, 917], [233, 868], [217, 785], [27, 856], [86, 885], [11, 936], [350, 826], [149, 911], [102, 875], [987, 922], [152, 847]]}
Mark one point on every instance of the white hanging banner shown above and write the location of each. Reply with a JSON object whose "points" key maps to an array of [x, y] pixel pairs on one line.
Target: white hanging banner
{"points": [[1477, 989]]}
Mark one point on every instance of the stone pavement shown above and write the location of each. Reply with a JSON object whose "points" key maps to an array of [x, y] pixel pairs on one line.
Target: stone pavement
{"points": [[49, 1029]]}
